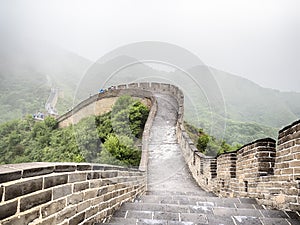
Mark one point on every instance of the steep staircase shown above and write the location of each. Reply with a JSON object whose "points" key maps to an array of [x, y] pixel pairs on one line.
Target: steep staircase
{"points": [[161, 208], [174, 198]]}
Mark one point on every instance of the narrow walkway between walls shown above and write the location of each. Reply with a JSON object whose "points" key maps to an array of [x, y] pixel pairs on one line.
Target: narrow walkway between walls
{"points": [[173, 197]]}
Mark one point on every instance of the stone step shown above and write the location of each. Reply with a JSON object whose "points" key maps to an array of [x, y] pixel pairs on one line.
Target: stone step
{"points": [[188, 193], [200, 201], [204, 209], [236, 218]]}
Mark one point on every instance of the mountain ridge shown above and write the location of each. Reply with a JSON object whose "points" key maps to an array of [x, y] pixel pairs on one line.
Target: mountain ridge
{"points": [[28, 73]]}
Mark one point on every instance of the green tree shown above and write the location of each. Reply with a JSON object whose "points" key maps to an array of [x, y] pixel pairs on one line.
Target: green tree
{"points": [[138, 114], [122, 103], [104, 127], [202, 142], [120, 150]]}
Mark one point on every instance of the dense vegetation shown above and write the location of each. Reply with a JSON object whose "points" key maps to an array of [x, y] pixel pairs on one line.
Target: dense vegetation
{"points": [[207, 144], [109, 138]]}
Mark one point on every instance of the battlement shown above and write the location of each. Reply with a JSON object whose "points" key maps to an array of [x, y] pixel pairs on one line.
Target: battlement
{"points": [[71, 193], [262, 169]]}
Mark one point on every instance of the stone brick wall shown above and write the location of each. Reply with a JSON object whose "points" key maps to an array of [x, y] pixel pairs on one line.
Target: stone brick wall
{"points": [[65, 193], [146, 135], [79, 193], [261, 169]]}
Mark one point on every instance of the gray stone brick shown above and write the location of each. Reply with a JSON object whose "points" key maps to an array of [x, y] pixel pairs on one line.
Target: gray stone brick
{"points": [[8, 209], [53, 207], [64, 168], [78, 218], [75, 198], [9, 176], [81, 186], [22, 218], [35, 199], [55, 180], [76, 177], [22, 188], [66, 213], [37, 171], [62, 191]]}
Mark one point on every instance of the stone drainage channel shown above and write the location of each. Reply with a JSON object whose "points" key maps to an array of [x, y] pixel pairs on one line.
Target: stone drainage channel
{"points": [[173, 197]]}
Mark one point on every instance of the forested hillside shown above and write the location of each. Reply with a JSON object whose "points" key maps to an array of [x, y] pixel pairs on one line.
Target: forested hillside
{"points": [[111, 138], [224, 105]]}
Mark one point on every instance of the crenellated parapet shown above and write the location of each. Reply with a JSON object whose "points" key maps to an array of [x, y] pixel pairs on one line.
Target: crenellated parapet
{"points": [[262, 169], [70, 193], [103, 102]]}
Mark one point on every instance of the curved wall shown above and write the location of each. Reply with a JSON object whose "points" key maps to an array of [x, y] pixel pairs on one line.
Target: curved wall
{"points": [[69, 193], [263, 169], [65, 193]]}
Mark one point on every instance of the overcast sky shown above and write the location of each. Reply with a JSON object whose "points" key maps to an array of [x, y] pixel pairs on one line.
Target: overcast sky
{"points": [[256, 39]]}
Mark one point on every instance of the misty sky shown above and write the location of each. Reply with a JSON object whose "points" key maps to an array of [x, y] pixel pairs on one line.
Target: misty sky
{"points": [[256, 39]]}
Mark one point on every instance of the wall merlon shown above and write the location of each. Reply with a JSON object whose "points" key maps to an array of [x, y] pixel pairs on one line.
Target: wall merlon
{"points": [[248, 171]]}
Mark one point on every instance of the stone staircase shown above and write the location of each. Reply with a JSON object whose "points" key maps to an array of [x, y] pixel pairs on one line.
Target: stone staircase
{"points": [[174, 198], [162, 208]]}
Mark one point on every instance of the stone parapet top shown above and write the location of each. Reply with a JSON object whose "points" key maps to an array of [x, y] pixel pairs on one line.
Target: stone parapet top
{"points": [[10, 172]]}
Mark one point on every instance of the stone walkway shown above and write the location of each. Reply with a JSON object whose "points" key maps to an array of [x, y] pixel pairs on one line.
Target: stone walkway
{"points": [[173, 197]]}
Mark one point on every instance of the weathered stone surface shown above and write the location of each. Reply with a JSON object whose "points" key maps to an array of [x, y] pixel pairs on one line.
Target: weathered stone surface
{"points": [[22, 188], [78, 218], [62, 191], [64, 168], [81, 186], [75, 198], [53, 207], [76, 177], [8, 209], [9, 176], [66, 213], [55, 180], [35, 199], [37, 171], [23, 218], [82, 167]]}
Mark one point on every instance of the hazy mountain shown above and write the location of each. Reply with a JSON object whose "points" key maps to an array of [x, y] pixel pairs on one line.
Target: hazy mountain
{"points": [[29, 69], [225, 105], [247, 101]]}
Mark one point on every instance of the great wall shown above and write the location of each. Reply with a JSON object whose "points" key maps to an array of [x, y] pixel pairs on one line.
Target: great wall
{"points": [[257, 184]]}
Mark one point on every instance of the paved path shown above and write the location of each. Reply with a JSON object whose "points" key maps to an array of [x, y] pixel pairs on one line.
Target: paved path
{"points": [[167, 170], [174, 198]]}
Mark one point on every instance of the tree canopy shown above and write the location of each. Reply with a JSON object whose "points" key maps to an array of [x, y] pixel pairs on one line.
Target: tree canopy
{"points": [[108, 138]]}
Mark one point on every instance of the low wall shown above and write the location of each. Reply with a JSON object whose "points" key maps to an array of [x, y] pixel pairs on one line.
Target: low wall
{"points": [[146, 136], [103, 102], [65, 193], [262, 170]]}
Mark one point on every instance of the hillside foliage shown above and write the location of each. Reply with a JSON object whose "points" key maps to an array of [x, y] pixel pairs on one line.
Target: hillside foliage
{"points": [[93, 139], [207, 144]]}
